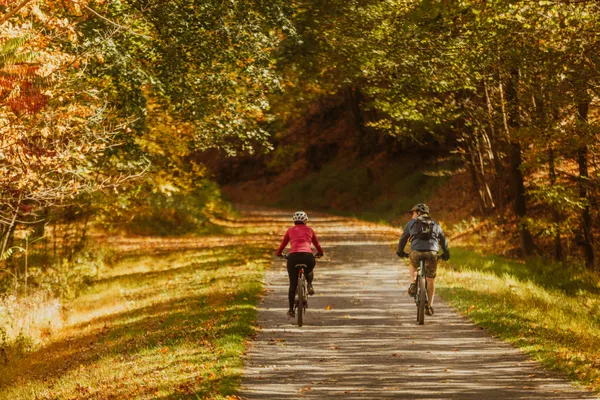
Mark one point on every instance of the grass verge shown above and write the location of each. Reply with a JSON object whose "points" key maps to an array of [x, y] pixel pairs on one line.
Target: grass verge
{"points": [[551, 311], [166, 326]]}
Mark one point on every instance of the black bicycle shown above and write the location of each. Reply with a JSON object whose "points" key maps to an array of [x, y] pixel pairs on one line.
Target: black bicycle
{"points": [[421, 297], [301, 298]]}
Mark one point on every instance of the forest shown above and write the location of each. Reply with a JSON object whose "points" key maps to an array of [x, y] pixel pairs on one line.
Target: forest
{"points": [[153, 119]]}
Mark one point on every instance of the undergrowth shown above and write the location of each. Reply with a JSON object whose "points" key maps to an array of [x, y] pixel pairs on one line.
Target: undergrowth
{"points": [[377, 194]]}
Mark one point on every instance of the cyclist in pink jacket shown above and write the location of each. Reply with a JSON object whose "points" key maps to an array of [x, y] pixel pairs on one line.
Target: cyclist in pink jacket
{"points": [[301, 237]]}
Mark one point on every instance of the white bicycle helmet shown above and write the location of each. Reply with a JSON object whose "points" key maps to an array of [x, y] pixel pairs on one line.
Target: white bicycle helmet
{"points": [[300, 216]]}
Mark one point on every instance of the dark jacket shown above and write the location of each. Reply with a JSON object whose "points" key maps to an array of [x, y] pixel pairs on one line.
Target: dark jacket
{"points": [[433, 244]]}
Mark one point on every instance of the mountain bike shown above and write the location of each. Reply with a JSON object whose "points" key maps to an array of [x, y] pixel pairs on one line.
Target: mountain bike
{"points": [[301, 298], [421, 298]]}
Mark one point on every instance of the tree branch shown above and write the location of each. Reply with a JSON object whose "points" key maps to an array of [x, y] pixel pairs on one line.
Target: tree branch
{"points": [[115, 24], [14, 11]]}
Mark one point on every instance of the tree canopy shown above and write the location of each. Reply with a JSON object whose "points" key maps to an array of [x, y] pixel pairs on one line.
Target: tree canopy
{"points": [[105, 100]]}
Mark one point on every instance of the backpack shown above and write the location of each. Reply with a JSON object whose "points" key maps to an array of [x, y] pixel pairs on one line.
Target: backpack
{"points": [[424, 228]]}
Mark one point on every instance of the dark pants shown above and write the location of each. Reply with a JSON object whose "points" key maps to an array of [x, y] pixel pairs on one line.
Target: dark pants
{"points": [[293, 260]]}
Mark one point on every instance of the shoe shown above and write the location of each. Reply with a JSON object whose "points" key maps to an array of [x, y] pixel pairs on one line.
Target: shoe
{"points": [[291, 313], [311, 291], [428, 310], [412, 289]]}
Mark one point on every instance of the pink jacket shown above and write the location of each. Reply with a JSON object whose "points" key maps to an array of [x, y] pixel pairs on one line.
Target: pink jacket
{"points": [[301, 236]]}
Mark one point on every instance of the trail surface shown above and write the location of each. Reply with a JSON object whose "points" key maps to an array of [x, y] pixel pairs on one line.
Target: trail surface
{"points": [[360, 339]]}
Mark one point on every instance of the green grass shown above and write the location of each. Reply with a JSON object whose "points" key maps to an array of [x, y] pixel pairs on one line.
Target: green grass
{"points": [[551, 311], [166, 326]]}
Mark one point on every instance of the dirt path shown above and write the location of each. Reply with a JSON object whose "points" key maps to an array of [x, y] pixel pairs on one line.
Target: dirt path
{"points": [[367, 345]]}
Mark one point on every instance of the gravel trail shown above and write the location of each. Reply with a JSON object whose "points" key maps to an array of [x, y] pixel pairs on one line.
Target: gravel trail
{"points": [[360, 339]]}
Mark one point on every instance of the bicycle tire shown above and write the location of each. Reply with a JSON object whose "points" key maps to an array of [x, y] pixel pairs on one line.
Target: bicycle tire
{"points": [[422, 300], [301, 295]]}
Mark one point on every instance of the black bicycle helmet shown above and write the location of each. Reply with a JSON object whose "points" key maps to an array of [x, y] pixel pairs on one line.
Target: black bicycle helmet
{"points": [[422, 207]]}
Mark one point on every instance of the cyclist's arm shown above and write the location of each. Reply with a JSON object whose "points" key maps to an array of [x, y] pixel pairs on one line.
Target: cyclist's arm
{"points": [[284, 242], [403, 239], [315, 241], [442, 240]]}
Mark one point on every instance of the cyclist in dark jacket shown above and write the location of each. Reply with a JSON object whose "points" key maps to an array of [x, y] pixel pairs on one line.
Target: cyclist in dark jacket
{"points": [[426, 237]]}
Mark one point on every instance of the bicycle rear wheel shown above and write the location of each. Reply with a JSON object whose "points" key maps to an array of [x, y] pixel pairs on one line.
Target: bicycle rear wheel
{"points": [[422, 300], [301, 296]]}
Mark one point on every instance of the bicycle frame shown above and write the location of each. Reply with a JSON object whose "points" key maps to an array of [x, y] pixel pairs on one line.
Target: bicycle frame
{"points": [[301, 301], [301, 291], [422, 297], [420, 273]]}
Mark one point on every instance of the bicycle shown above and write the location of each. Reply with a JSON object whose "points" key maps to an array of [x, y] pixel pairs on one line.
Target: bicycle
{"points": [[421, 297], [301, 293]]}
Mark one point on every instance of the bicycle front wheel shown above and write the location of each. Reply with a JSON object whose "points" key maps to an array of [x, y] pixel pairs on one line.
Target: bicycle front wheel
{"points": [[422, 300], [301, 295]]}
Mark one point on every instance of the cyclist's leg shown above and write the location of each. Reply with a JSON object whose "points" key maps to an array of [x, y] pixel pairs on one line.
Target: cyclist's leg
{"points": [[293, 275], [310, 266], [414, 257], [430, 291], [430, 273]]}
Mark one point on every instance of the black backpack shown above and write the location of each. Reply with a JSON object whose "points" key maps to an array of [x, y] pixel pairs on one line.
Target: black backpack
{"points": [[424, 227]]}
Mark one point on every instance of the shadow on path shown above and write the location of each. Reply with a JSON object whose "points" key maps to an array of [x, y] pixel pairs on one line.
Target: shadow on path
{"points": [[361, 341]]}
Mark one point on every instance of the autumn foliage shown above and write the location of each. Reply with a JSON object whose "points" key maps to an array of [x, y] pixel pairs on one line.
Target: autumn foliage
{"points": [[102, 104]]}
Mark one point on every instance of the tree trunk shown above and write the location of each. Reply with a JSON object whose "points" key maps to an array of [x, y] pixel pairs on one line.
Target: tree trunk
{"points": [[539, 105], [476, 188], [583, 105], [586, 215], [488, 199], [7, 243], [495, 143], [518, 185], [354, 97], [555, 214]]}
